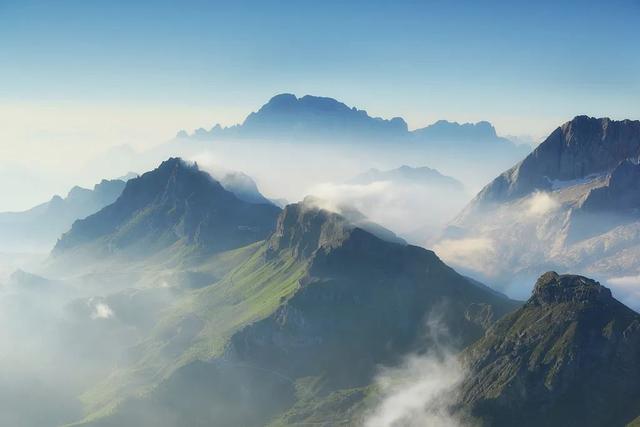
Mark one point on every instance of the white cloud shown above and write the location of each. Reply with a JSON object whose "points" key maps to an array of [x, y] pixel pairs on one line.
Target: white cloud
{"points": [[413, 211], [541, 203], [472, 252], [626, 289], [101, 311], [421, 391]]}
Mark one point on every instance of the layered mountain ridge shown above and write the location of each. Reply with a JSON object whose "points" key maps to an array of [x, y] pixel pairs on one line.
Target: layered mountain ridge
{"points": [[38, 228], [571, 205], [174, 203], [303, 319], [582, 147], [288, 117]]}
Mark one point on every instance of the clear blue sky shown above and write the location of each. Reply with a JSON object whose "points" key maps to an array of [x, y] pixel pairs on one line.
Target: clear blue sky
{"points": [[524, 65]]}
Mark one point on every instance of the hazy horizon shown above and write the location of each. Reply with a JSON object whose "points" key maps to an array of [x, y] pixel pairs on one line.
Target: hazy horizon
{"points": [[84, 78]]}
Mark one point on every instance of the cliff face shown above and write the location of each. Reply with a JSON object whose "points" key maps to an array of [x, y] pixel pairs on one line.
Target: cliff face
{"points": [[571, 205], [582, 147]]}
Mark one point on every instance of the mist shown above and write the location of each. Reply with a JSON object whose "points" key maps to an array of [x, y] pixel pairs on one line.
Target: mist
{"points": [[422, 389]]}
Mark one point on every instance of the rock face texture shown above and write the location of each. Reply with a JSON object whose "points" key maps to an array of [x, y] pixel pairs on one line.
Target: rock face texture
{"points": [[620, 194], [569, 356], [579, 148], [573, 204]]}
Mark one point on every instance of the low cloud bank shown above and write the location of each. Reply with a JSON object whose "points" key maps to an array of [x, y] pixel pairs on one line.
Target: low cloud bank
{"points": [[415, 212], [423, 389]]}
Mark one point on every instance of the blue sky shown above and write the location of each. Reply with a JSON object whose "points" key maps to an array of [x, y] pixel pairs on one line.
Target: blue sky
{"points": [[526, 66]]}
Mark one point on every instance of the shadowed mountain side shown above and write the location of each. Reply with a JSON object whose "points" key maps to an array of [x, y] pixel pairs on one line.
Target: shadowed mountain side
{"points": [[297, 331], [567, 357], [579, 148], [174, 203], [571, 205]]}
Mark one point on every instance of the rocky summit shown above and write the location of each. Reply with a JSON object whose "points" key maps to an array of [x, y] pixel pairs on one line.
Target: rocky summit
{"points": [[569, 356], [579, 148]]}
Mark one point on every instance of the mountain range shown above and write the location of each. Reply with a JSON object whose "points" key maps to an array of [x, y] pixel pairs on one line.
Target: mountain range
{"points": [[173, 205], [303, 322], [301, 305], [191, 306], [38, 228], [314, 118], [572, 205]]}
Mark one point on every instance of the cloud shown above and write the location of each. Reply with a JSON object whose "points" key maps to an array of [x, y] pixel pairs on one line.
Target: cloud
{"points": [[101, 311], [626, 289], [473, 252], [422, 390], [540, 203], [413, 211]]}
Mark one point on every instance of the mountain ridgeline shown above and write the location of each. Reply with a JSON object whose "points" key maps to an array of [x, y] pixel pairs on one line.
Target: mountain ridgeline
{"points": [[573, 205], [315, 118], [38, 228], [569, 356], [285, 317], [171, 205], [296, 331], [582, 147]]}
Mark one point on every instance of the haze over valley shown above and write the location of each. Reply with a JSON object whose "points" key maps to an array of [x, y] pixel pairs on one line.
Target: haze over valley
{"points": [[381, 214]]}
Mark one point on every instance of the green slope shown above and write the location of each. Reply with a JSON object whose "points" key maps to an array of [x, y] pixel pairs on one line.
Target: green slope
{"points": [[292, 334], [569, 356]]}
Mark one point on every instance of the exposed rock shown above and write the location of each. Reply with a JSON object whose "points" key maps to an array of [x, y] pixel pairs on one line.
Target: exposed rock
{"points": [[569, 356]]}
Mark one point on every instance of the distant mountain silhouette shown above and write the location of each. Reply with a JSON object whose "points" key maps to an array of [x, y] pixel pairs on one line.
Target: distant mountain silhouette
{"points": [[38, 228], [443, 130], [407, 175], [311, 118], [244, 187], [314, 118]]}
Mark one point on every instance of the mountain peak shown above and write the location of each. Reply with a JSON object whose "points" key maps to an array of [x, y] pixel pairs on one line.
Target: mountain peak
{"points": [[314, 224], [176, 202], [446, 130], [305, 227], [579, 148], [553, 288], [553, 363], [176, 162]]}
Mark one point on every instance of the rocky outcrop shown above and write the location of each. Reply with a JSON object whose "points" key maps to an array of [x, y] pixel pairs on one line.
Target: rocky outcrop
{"points": [[620, 194], [577, 149], [567, 357]]}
